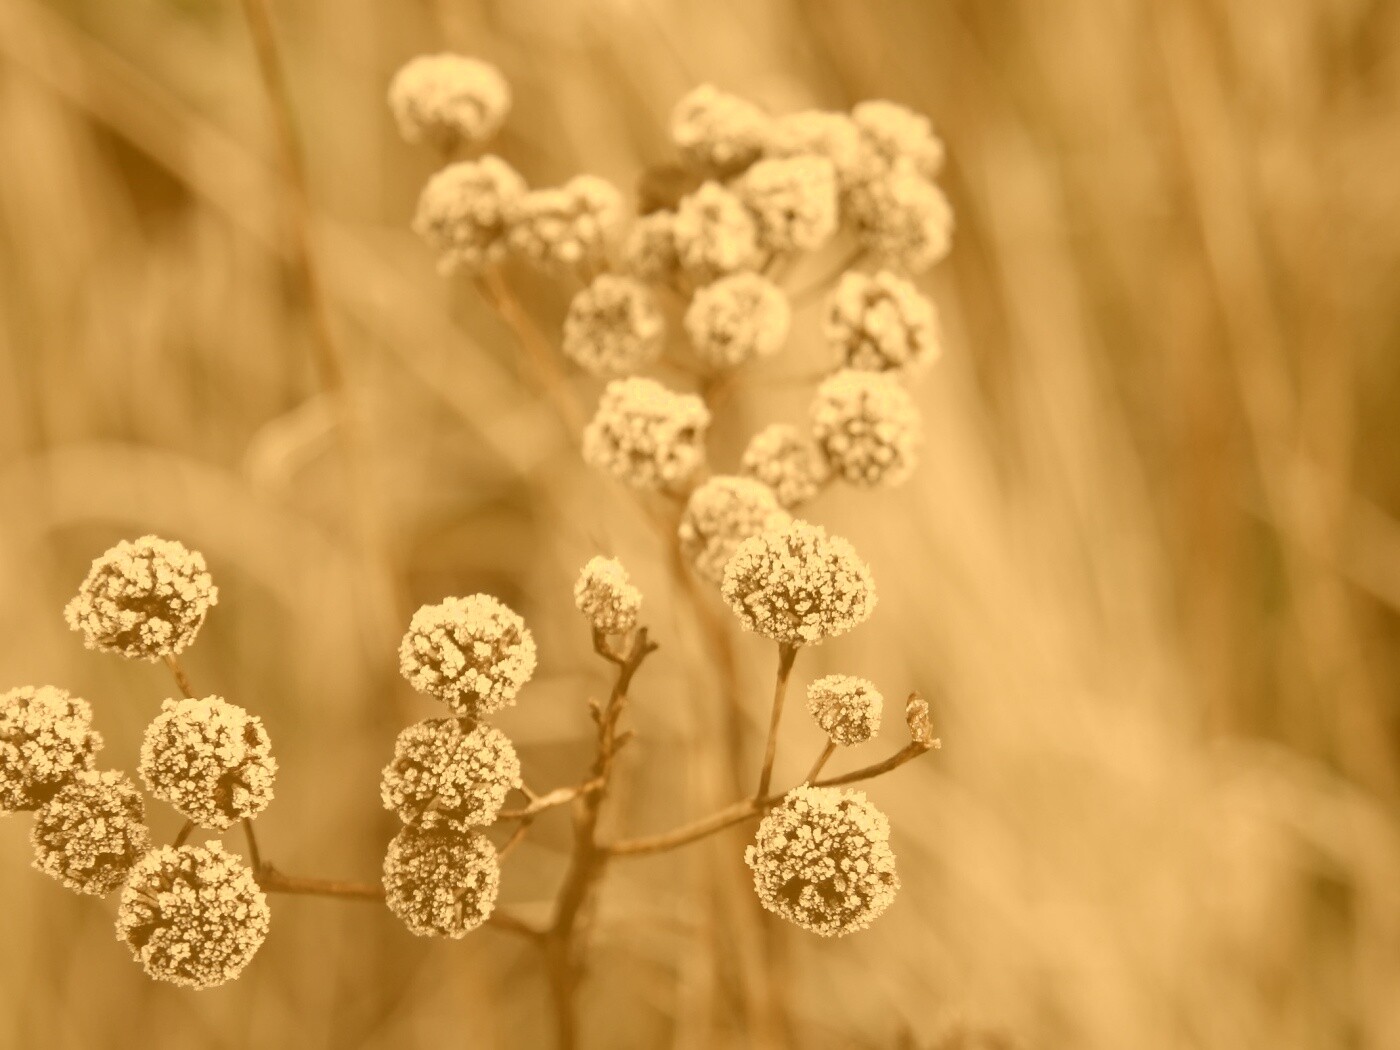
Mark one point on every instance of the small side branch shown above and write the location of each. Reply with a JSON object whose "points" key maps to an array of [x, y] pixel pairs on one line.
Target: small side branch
{"points": [[181, 679], [786, 655], [903, 755]]}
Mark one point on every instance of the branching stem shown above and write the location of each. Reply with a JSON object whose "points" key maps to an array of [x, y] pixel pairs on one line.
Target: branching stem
{"points": [[786, 655]]}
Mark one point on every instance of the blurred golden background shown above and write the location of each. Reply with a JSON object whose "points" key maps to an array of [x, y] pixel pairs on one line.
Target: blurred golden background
{"points": [[1148, 570]]}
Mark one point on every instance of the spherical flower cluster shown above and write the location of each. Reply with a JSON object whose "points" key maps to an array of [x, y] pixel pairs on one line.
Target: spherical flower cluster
{"points": [[144, 599], [903, 219], [192, 915], [46, 738], [714, 129], [605, 597], [462, 212], [446, 776], [441, 883], [649, 250], [472, 653], [567, 226], [210, 759], [90, 834], [721, 514], [646, 435], [613, 325], [866, 425], [797, 585], [823, 134], [879, 322], [822, 859], [736, 319], [847, 708], [446, 99], [714, 233], [895, 134], [794, 200], [787, 462]]}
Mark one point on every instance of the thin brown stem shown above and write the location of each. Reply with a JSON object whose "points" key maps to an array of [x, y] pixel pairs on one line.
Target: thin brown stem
{"points": [[273, 881], [516, 838], [821, 284], [254, 854], [558, 797], [786, 655], [905, 754], [181, 679], [822, 760], [183, 835]]}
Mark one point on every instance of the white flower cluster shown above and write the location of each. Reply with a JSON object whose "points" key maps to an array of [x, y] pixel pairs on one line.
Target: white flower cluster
{"points": [[463, 212], [736, 319], [787, 462], [793, 200], [846, 707], [614, 326], [210, 759], [145, 599], [717, 131], [192, 915], [91, 833], [822, 859], [46, 739], [448, 99], [441, 883], [867, 426], [646, 435], [472, 653], [446, 776], [606, 598], [797, 585], [565, 227], [881, 322], [721, 514]]}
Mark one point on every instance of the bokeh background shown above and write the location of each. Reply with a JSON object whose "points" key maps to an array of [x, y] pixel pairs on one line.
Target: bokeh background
{"points": [[1148, 571]]}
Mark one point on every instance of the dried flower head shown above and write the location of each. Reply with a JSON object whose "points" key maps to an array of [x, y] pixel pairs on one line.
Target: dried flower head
{"points": [[794, 200], [445, 775], [462, 212], [736, 319], [920, 721], [787, 462], [606, 598], [568, 226], [716, 130], [441, 883], [613, 325], [646, 435], [473, 653], [90, 834], [797, 585], [210, 759], [903, 219], [847, 708], [721, 514], [144, 599], [446, 99], [880, 322], [895, 134], [866, 425], [714, 233], [46, 738], [824, 134], [822, 860], [649, 249], [192, 915]]}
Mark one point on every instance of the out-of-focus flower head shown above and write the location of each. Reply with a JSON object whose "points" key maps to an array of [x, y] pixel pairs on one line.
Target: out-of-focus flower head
{"points": [[446, 99]]}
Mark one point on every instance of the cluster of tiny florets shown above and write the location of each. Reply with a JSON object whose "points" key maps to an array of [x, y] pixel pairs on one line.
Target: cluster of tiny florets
{"points": [[605, 597], [210, 759], [445, 775], [91, 833], [903, 219], [866, 425], [713, 129], [797, 585], [568, 226], [649, 249], [441, 883], [646, 435], [721, 514], [896, 134], [613, 326], [472, 653], [787, 462], [46, 738], [447, 99], [714, 233], [847, 708], [822, 859], [192, 915], [736, 319], [144, 599], [881, 322], [834, 136], [794, 200], [463, 209]]}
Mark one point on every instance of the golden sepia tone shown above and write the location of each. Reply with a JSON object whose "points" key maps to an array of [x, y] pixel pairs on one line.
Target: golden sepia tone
{"points": [[425, 429]]}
